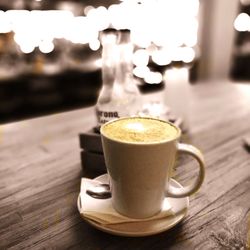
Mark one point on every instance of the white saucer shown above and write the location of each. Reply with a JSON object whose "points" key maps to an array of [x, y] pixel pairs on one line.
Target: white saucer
{"points": [[144, 228]]}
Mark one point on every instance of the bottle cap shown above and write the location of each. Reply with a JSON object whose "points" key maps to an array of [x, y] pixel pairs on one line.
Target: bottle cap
{"points": [[108, 36], [124, 36]]}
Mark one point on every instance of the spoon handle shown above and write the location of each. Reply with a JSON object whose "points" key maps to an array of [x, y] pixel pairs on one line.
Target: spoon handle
{"points": [[100, 191]]}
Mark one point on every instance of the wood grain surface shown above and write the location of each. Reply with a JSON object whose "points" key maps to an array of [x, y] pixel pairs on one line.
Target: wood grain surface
{"points": [[40, 173]]}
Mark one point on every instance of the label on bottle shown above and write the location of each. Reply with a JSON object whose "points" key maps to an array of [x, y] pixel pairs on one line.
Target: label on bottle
{"points": [[105, 116]]}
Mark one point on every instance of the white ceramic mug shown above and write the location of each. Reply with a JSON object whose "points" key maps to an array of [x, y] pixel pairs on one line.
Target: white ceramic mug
{"points": [[139, 173]]}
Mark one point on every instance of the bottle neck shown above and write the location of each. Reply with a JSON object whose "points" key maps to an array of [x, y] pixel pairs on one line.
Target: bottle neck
{"points": [[124, 66], [109, 54]]}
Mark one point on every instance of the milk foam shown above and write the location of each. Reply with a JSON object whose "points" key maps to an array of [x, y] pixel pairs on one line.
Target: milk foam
{"points": [[135, 130]]}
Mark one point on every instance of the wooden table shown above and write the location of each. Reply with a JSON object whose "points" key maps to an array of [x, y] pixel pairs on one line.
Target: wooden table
{"points": [[40, 175]]}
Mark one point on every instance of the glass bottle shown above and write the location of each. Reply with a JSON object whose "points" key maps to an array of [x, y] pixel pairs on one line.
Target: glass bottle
{"points": [[119, 96]]}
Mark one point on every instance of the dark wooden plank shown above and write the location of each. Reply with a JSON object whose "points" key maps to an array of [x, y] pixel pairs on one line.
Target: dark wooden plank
{"points": [[40, 171]]}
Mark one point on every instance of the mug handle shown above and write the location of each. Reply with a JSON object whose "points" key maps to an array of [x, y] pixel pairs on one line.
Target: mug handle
{"points": [[191, 189]]}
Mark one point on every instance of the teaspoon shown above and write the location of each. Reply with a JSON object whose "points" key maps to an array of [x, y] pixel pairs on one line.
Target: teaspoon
{"points": [[100, 191]]}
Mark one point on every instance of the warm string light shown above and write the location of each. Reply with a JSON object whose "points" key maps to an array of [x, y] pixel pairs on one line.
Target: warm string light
{"points": [[175, 41], [245, 2], [242, 22]]}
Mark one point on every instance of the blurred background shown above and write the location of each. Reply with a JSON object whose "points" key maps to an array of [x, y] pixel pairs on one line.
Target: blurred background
{"points": [[50, 51]]}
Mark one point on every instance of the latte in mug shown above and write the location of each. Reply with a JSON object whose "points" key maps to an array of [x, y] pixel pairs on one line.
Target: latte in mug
{"points": [[140, 153], [140, 130]]}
